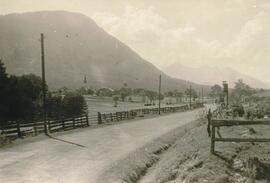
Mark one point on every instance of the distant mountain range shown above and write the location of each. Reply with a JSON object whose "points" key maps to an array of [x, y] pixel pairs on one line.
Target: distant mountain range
{"points": [[75, 47], [212, 75]]}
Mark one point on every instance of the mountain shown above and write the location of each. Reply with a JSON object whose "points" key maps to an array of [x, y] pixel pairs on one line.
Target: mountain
{"points": [[75, 47], [212, 75]]}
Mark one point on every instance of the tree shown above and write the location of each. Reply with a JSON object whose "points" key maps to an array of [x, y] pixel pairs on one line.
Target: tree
{"points": [[191, 92], [217, 93], [115, 99], [74, 105], [178, 95], [3, 91], [151, 95], [241, 90], [54, 106], [85, 91], [23, 99], [105, 92], [124, 92]]}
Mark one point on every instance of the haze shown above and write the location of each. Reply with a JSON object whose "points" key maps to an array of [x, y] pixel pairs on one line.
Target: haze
{"points": [[195, 33]]}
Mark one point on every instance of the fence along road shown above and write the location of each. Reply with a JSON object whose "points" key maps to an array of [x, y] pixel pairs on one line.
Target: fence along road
{"points": [[54, 161]]}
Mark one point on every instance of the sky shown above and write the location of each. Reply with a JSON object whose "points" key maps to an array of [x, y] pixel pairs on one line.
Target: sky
{"points": [[218, 33]]}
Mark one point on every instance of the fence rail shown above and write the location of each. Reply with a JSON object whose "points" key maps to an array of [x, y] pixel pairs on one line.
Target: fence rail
{"points": [[131, 114], [19, 129], [217, 123]]}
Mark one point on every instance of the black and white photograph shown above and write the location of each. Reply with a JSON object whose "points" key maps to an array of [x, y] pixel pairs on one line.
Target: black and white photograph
{"points": [[134, 91]]}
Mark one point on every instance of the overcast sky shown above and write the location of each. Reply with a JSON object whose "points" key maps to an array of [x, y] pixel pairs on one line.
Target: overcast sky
{"points": [[225, 33]]}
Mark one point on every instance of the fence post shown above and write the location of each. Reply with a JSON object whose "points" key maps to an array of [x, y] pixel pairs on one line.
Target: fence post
{"points": [[35, 126], [209, 117], [49, 125], [111, 116], [63, 123], [99, 118], [73, 122], [213, 133], [18, 129], [81, 121], [87, 120]]}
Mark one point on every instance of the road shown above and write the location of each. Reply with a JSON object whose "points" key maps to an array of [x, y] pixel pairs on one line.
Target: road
{"points": [[82, 155]]}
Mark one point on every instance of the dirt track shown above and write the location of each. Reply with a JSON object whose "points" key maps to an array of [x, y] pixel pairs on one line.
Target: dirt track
{"points": [[90, 152]]}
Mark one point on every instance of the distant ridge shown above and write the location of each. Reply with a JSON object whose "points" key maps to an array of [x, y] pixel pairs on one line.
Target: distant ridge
{"points": [[75, 46], [210, 75]]}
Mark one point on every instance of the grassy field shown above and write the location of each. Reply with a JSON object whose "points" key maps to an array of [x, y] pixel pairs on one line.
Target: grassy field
{"points": [[106, 105]]}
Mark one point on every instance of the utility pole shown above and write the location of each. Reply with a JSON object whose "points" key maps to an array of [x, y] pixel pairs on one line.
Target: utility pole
{"points": [[226, 91], [190, 96], [43, 84], [84, 79], [202, 95], [159, 94]]}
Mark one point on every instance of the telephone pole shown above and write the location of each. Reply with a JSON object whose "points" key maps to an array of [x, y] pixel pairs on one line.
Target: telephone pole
{"points": [[190, 96], [226, 91], [202, 95], [159, 94], [43, 84]]}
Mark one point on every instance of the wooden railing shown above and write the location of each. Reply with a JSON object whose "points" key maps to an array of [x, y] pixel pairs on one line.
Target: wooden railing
{"points": [[19, 129], [217, 123], [14, 129], [131, 114]]}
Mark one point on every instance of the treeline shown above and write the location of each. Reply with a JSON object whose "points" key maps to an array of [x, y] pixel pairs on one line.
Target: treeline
{"points": [[124, 93], [21, 99], [240, 93]]}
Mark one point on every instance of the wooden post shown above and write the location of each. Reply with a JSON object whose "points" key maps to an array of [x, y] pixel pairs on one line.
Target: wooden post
{"points": [[87, 120], [159, 94], [213, 133], [73, 122], [35, 126], [190, 95], [43, 83], [111, 117], [209, 117], [81, 122], [49, 125], [63, 123], [18, 129], [99, 118]]}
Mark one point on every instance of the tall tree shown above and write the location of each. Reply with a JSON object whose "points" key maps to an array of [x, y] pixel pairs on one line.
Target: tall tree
{"points": [[3, 91], [241, 90]]}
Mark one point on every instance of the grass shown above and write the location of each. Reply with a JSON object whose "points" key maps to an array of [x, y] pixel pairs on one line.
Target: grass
{"points": [[132, 168], [106, 105], [183, 155]]}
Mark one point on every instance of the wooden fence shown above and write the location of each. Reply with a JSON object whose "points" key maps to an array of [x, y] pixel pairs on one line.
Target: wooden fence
{"points": [[217, 123], [19, 129], [131, 114]]}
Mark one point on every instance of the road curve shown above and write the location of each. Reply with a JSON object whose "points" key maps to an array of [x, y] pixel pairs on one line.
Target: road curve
{"points": [[82, 155]]}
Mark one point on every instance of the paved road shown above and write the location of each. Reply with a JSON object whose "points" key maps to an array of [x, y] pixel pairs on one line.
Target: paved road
{"points": [[52, 161]]}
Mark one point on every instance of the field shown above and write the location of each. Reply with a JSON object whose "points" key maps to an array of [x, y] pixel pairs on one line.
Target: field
{"points": [[106, 105]]}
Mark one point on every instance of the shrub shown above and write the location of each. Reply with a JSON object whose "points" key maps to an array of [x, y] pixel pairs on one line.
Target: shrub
{"points": [[74, 104]]}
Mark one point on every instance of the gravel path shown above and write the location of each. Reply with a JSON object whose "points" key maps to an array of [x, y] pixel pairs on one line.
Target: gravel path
{"points": [[90, 152]]}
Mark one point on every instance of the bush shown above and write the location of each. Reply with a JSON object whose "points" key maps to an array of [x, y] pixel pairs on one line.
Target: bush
{"points": [[74, 104], [71, 105], [238, 110]]}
